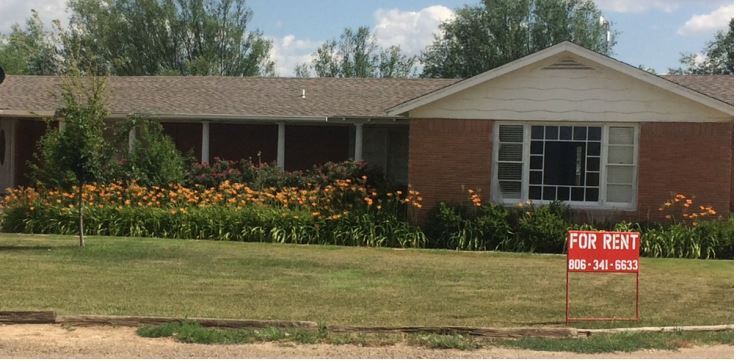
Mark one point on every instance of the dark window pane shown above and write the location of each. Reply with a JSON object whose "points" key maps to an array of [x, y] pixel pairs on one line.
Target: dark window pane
{"points": [[594, 148], [563, 193], [537, 148], [579, 133], [593, 164], [577, 194], [535, 193], [594, 133], [537, 132], [549, 193], [536, 163], [535, 177], [591, 195], [564, 163], [565, 133], [550, 133], [591, 179]]}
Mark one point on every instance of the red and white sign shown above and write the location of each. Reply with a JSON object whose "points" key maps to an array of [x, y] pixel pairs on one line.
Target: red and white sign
{"points": [[599, 251], [591, 251]]}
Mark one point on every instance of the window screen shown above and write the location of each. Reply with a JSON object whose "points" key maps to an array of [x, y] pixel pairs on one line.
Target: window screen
{"points": [[620, 166], [510, 160]]}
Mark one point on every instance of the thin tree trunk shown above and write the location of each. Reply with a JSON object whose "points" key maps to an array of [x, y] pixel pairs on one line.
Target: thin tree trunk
{"points": [[81, 214]]}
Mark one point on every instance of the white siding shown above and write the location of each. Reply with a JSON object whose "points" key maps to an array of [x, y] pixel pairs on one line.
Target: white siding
{"points": [[597, 94]]}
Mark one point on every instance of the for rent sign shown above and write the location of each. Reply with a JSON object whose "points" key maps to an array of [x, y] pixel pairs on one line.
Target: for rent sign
{"points": [[589, 251]]}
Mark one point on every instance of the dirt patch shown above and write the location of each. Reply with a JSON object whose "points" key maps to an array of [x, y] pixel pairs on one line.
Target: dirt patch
{"points": [[53, 341]]}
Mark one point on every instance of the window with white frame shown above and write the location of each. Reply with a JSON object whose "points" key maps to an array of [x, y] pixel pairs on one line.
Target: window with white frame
{"points": [[580, 164]]}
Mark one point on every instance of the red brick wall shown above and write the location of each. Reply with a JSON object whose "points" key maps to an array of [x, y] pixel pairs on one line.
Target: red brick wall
{"points": [[691, 158], [243, 141], [447, 155]]}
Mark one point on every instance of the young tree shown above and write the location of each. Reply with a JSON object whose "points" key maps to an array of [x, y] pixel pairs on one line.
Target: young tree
{"points": [[718, 57], [356, 55], [29, 50], [76, 154], [496, 32]]}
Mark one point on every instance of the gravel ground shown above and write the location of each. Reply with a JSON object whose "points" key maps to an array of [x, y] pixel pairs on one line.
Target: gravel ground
{"points": [[53, 341]]}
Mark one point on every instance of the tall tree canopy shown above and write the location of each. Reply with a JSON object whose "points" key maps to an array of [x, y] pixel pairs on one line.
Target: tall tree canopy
{"points": [[356, 55], [142, 37], [718, 56], [185, 37], [29, 50], [496, 32]]}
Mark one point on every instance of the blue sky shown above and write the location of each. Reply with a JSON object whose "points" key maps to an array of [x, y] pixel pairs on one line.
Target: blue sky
{"points": [[652, 32]]}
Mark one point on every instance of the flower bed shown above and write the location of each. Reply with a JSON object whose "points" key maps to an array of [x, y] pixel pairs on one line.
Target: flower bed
{"points": [[343, 212]]}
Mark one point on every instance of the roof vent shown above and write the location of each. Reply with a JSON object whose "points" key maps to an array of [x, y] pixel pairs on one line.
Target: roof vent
{"points": [[304, 93], [567, 64]]}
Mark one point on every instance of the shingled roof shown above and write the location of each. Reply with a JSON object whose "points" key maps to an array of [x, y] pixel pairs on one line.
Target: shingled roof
{"points": [[230, 96], [265, 97], [714, 86]]}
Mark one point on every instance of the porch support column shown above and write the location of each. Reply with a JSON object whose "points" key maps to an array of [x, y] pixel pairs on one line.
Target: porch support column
{"points": [[131, 139], [281, 146], [205, 142], [358, 142]]}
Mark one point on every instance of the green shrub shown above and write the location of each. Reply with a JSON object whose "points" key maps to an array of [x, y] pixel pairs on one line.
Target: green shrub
{"points": [[248, 224], [465, 228], [540, 229], [153, 159], [706, 239], [259, 175]]}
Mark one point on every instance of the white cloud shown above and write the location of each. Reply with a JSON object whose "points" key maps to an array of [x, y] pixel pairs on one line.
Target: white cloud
{"points": [[411, 30], [16, 11], [637, 6], [288, 52], [706, 23]]}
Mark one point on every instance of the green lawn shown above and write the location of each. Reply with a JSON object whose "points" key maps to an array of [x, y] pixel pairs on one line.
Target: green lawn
{"points": [[342, 285]]}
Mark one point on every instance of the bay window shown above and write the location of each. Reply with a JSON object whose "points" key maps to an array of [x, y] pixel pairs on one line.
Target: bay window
{"points": [[585, 165]]}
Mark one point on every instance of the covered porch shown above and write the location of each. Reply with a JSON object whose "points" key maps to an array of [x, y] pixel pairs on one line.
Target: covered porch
{"points": [[297, 144]]}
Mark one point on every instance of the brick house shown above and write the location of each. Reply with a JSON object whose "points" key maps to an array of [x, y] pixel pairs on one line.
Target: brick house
{"points": [[564, 123]]}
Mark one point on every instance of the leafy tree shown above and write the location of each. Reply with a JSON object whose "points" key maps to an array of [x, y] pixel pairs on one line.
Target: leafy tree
{"points": [[718, 56], [153, 37], [76, 154], [647, 69], [29, 50], [496, 32], [356, 55], [153, 158]]}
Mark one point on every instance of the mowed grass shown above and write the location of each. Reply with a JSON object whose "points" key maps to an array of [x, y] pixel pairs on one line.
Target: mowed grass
{"points": [[344, 285]]}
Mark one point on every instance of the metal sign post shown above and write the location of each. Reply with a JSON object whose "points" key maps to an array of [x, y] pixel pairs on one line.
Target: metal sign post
{"points": [[602, 252]]}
